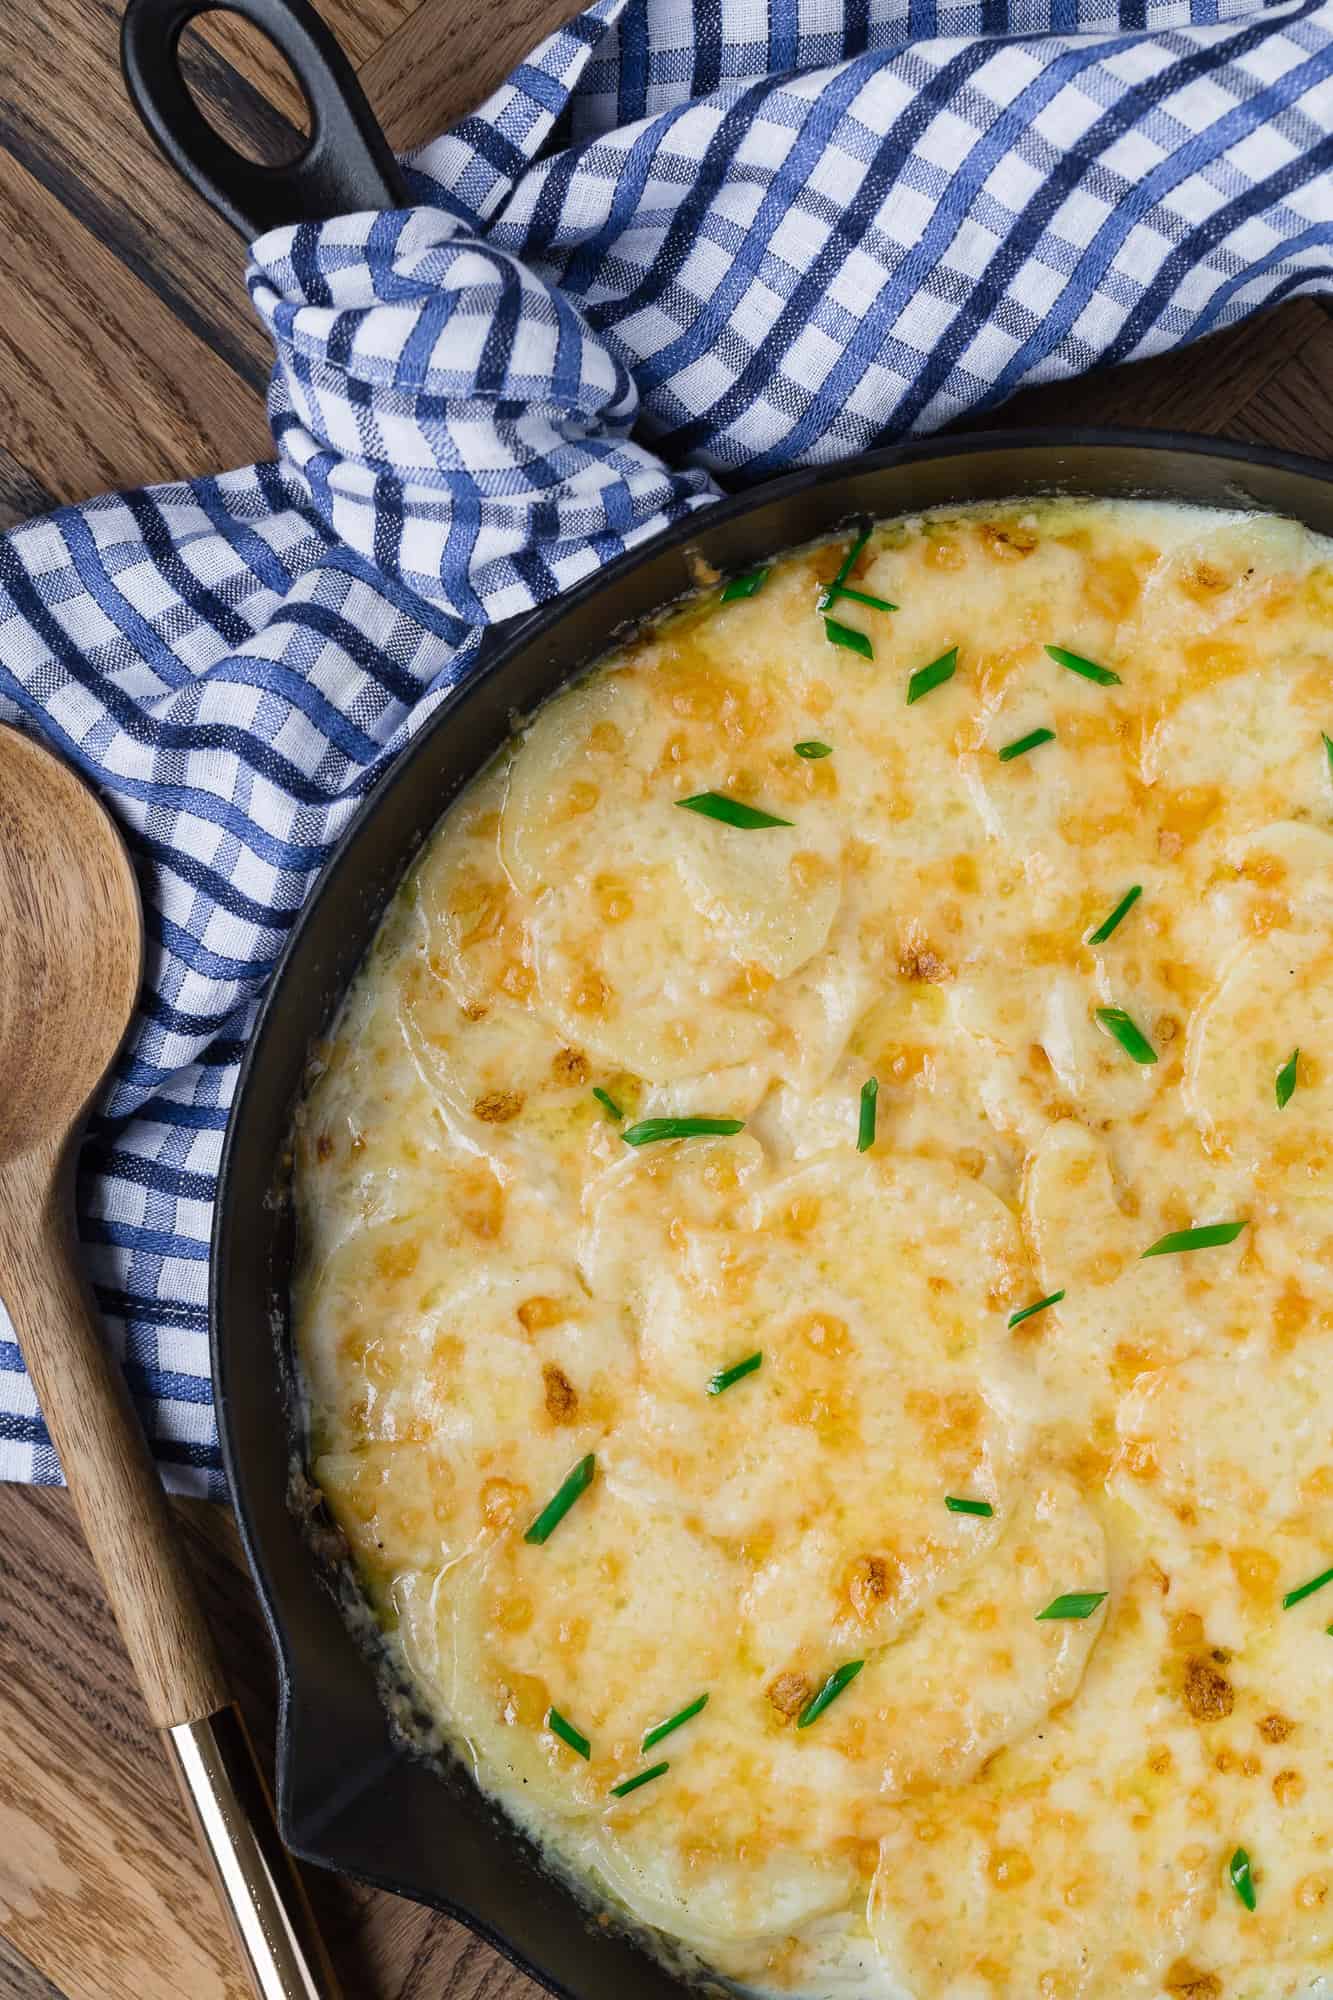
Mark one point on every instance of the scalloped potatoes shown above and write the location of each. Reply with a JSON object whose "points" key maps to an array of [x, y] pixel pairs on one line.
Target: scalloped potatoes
{"points": [[973, 1525]]}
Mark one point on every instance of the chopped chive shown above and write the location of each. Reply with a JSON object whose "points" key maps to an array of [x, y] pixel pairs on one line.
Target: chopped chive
{"points": [[1020, 747], [840, 1678], [1285, 1082], [1304, 1590], [650, 1130], [1206, 1237], [1088, 668], [981, 1508], [849, 561], [732, 812], [865, 1130], [604, 1097], [642, 1778], [736, 1373], [675, 1722], [831, 592], [1074, 1604], [1242, 1881], [810, 749], [848, 636], [935, 675], [1131, 1039], [556, 1508], [1328, 1631], [1328, 750], [744, 586], [1117, 916], [567, 1733], [1052, 1299]]}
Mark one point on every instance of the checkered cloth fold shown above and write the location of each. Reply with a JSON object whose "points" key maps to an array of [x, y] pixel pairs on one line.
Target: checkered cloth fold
{"points": [[756, 235]]}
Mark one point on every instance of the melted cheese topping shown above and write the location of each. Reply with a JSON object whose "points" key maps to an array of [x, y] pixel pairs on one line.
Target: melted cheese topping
{"points": [[493, 1284]]}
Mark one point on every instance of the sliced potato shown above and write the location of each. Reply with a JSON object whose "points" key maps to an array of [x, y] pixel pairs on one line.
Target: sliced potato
{"points": [[979, 1669]]}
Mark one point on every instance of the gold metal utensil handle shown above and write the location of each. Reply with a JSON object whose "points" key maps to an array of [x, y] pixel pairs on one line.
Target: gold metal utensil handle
{"points": [[220, 1777]]}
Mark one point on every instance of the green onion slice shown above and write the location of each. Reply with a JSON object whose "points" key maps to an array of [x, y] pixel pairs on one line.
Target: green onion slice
{"points": [[849, 561], [1328, 750], [811, 749], [1304, 1590], [935, 675], [865, 1130], [1088, 668], [1051, 1299], [675, 1722], [1117, 916], [981, 1508], [732, 812], [847, 635], [744, 586], [641, 1778], [649, 1131], [1206, 1237], [565, 1730], [1242, 1881], [831, 592], [556, 1508], [840, 1678], [1022, 744], [1131, 1039], [736, 1373], [1074, 1604], [605, 1098], [1285, 1082]]}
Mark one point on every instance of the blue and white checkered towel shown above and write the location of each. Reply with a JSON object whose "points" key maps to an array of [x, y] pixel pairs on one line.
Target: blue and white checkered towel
{"points": [[763, 232]]}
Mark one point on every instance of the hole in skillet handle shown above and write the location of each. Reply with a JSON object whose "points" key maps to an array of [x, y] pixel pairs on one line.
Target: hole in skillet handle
{"points": [[244, 88], [346, 165]]}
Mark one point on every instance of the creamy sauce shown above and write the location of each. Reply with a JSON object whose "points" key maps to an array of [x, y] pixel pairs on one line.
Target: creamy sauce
{"points": [[495, 1285]]}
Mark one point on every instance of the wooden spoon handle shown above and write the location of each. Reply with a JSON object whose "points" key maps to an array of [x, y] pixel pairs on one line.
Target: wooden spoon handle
{"points": [[101, 1445], [115, 1487]]}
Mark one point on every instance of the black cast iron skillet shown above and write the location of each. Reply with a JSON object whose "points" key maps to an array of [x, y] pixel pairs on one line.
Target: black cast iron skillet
{"points": [[349, 1797]]}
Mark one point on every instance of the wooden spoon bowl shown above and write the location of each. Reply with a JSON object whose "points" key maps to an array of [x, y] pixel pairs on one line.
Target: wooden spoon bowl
{"points": [[73, 945]]}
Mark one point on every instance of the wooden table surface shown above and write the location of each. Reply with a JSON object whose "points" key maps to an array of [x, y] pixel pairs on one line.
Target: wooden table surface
{"points": [[128, 353]]}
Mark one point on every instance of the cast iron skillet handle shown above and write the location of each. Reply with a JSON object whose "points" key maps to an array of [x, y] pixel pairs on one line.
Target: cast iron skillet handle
{"points": [[345, 166]]}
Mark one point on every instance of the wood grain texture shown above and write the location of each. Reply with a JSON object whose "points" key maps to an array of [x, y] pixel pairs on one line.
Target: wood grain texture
{"points": [[448, 58], [20, 1980], [101, 1893], [100, 383]]}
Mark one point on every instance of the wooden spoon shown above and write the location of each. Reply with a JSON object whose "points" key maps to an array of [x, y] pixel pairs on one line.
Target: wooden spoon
{"points": [[71, 947]]}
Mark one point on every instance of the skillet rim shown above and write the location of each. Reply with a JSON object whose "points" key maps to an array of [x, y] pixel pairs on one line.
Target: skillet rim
{"points": [[500, 646]]}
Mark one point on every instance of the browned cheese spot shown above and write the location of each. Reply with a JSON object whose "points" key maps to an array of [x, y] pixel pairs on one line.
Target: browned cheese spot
{"points": [[1288, 1786], [497, 1107], [1188, 1983], [919, 962], [571, 1067], [1007, 541], [789, 1694], [1209, 1695], [562, 1398], [870, 1583], [540, 1311]]}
